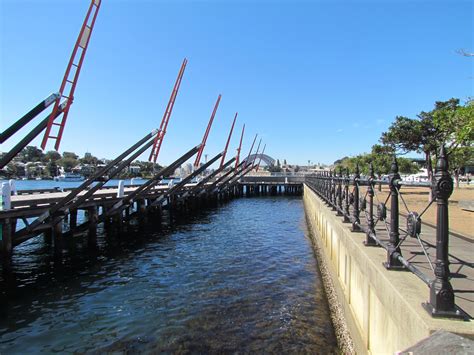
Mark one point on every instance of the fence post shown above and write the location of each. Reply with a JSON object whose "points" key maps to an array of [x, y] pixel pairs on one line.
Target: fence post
{"points": [[319, 184], [326, 184], [356, 211], [333, 190], [339, 192], [441, 302], [369, 241], [329, 187], [392, 262], [323, 184], [346, 197]]}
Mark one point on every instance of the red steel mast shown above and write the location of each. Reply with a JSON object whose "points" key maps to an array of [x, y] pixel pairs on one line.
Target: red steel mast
{"points": [[208, 129], [240, 146], [69, 82], [228, 140], [166, 116]]}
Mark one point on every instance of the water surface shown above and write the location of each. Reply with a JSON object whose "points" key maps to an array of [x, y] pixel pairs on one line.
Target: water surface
{"points": [[239, 278]]}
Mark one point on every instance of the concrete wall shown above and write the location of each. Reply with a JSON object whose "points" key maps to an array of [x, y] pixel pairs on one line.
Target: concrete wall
{"points": [[382, 308]]}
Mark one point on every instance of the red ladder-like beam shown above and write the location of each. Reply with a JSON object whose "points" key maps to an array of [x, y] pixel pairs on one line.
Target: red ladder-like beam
{"points": [[228, 140], [237, 158], [68, 85], [208, 129], [166, 116]]}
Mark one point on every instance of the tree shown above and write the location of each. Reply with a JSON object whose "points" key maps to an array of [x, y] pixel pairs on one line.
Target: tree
{"points": [[31, 154], [447, 124], [52, 156], [146, 168], [52, 168], [458, 159], [381, 158], [456, 126], [338, 161], [67, 163], [89, 159], [274, 169], [70, 155], [14, 170]]}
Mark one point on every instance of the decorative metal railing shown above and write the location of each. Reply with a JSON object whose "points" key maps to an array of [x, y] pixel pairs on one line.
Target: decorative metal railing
{"points": [[345, 194]]}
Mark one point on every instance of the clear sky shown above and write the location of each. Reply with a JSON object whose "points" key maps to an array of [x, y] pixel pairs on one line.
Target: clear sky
{"points": [[317, 80]]}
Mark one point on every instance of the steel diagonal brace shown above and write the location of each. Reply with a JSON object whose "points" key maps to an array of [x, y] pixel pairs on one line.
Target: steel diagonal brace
{"points": [[246, 167], [6, 158], [116, 170], [142, 189], [63, 204], [225, 179], [117, 208], [35, 111], [212, 188], [176, 188], [231, 184], [201, 183]]}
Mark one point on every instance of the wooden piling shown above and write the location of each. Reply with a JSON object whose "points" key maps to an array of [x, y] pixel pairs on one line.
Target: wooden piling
{"points": [[92, 231], [73, 219], [57, 232], [6, 238]]}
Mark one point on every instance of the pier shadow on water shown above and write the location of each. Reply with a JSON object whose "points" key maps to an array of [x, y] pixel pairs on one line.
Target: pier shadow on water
{"points": [[238, 278]]}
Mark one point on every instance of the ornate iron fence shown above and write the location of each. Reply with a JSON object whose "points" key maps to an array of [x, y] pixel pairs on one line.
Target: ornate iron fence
{"points": [[344, 193]]}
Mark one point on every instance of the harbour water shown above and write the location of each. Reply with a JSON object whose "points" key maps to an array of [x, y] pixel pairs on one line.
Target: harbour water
{"points": [[241, 277]]}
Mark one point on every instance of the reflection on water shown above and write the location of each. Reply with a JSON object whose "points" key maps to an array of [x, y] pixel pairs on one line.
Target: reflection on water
{"points": [[239, 278]]}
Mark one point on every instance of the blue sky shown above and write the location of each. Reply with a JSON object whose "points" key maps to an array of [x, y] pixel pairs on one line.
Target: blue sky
{"points": [[317, 80]]}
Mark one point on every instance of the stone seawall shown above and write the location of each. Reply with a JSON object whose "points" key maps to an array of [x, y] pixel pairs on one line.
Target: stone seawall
{"points": [[382, 308]]}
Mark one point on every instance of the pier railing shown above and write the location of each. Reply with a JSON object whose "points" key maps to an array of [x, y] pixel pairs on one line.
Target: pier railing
{"points": [[351, 196]]}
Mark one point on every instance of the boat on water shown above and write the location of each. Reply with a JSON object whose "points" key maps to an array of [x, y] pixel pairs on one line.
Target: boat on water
{"points": [[69, 177]]}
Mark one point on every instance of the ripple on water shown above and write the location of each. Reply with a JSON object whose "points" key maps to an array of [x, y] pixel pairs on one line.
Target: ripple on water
{"points": [[242, 277]]}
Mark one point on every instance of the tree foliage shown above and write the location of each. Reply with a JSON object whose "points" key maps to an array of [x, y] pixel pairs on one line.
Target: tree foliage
{"points": [[31, 154], [90, 160], [52, 156], [381, 158], [449, 123]]}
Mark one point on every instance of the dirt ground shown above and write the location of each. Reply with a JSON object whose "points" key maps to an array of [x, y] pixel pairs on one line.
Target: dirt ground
{"points": [[417, 199]]}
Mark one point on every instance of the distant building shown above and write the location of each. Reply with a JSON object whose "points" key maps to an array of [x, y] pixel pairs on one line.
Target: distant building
{"points": [[421, 176], [134, 169], [187, 169]]}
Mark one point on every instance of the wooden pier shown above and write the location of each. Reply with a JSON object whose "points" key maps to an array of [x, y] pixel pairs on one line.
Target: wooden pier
{"points": [[115, 208]]}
